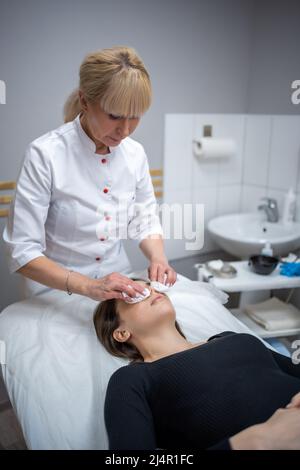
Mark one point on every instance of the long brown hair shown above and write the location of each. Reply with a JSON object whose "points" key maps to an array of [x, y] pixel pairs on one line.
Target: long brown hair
{"points": [[106, 321], [117, 78]]}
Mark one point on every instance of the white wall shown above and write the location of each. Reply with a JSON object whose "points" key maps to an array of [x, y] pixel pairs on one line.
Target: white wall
{"points": [[197, 53], [275, 57]]}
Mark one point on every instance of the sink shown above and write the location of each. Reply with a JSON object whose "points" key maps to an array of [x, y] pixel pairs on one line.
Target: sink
{"points": [[245, 234]]}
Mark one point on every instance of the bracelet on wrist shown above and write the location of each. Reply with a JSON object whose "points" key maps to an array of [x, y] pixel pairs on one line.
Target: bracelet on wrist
{"points": [[67, 283]]}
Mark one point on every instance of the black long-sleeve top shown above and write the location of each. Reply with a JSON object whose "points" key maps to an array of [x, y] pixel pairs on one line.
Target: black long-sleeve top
{"points": [[200, 397]]}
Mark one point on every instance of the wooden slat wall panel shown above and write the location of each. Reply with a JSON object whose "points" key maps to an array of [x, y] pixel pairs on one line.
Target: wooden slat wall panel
{"points": [[7, 185], [4, 213], [157, 183], [156, 172], [156, 176], [5, 199]]}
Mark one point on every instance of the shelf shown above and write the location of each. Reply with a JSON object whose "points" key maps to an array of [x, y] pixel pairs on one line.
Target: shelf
{"points": [[247, 280], [259, 330]]}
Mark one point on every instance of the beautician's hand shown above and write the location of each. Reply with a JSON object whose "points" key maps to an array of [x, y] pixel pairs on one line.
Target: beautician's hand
{"points": [[295, 401], [160, 270], [112, 286], [280, 432]]}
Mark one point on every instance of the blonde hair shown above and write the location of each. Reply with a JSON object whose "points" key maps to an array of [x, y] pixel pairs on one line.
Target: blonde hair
{"points": [[117, 78]]}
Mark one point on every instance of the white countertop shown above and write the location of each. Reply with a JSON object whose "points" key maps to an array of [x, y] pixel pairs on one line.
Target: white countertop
{"points": [[247, 280]]}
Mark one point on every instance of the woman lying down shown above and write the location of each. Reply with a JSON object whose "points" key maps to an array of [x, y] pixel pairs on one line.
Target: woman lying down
{"points": [[210, 395]]}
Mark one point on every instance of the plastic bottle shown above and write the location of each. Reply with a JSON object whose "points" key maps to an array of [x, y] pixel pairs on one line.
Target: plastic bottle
{"points": [[267, 250], [289, 207]]}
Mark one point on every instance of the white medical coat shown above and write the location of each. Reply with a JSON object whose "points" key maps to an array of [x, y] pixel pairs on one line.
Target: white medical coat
{"points": [[75, 206]]}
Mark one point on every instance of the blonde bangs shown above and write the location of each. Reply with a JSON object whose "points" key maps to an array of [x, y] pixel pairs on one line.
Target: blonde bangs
{"points": [[129, 94]]}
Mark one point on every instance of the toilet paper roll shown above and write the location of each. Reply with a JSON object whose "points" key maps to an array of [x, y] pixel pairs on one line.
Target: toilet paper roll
{"points": [[208, 148]]}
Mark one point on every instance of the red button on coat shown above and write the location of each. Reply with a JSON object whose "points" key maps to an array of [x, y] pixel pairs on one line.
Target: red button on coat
{"points": [[107, 217], [98, 259], [102, 239], [105, 190], [103, 160]]}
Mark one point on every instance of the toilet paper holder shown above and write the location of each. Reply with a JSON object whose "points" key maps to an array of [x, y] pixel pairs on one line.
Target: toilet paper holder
{"points": [[207, 132], [208, 148]]}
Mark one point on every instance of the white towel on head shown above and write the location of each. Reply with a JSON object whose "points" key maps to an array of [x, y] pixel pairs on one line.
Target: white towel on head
{"points": [[273, 314]]}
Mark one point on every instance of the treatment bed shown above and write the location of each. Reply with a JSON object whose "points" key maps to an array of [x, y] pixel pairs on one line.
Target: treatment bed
{"points": [[56, 371]]}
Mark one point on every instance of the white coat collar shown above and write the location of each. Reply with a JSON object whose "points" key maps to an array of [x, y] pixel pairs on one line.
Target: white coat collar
{"points": [[87, 141]]}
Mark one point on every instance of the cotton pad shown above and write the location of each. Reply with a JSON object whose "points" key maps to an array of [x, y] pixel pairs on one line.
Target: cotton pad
{"points": [[159, 287], [138, 298]]}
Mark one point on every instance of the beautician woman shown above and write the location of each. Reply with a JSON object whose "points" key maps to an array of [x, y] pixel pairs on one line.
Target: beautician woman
{"points": [[85, 186]]}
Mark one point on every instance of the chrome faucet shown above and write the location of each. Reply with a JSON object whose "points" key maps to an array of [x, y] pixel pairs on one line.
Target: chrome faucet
{"points": [[271, 209]]}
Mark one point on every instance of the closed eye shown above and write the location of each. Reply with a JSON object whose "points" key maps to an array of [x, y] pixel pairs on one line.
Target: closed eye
{"points": [[112, 116]]}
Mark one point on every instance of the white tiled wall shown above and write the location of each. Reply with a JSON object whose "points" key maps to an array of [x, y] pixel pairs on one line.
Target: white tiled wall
{"points": [[256, 152], [271, 159], [177, 152], [267, 163], [298, 207], [284, 152], [250, 197], [208, 197], [228, 199]]}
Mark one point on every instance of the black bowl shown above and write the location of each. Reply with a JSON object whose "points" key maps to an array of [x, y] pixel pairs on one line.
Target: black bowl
{"points": [[262, 264]]}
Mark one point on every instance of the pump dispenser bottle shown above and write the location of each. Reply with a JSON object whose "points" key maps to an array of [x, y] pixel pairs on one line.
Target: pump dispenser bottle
{"points": [[267, 250]]}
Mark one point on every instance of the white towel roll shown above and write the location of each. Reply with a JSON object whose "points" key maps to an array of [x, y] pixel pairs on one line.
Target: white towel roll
{"points": [[208, 148]]}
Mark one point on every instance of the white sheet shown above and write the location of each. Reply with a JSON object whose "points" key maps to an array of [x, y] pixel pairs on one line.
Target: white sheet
{"points": [[56, 371]]}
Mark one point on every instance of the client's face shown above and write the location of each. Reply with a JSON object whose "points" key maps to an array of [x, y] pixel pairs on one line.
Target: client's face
{"points": [[145, 316]]}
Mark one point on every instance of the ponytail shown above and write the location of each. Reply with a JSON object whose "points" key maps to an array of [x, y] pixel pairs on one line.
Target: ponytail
{"points": [[72, 106]]}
